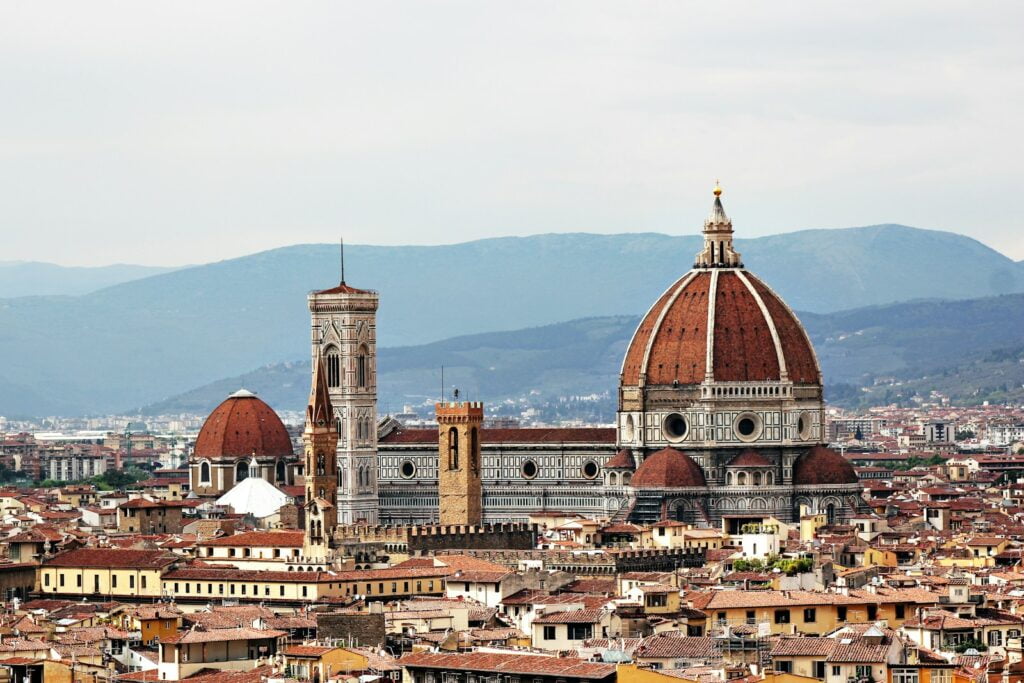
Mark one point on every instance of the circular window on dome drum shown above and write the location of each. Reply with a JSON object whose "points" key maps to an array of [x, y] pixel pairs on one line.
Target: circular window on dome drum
{"points": [[747, 426], [675, 427], [408, 469], [803, 426], [529, 469], [590, 469]]}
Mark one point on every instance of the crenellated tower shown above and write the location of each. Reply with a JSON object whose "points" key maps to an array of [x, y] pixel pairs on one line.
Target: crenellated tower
{"points": [[460, 494], [320, 441], [344, 334]]}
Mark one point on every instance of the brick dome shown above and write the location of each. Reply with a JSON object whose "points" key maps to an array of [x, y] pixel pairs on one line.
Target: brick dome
{"points": [[242, 426], [622, 460], [822, 466], [754, 336], [668, 468], [749, 458]]}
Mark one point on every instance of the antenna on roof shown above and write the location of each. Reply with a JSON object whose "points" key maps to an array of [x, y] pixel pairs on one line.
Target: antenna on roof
{"points": [[341, 244]]}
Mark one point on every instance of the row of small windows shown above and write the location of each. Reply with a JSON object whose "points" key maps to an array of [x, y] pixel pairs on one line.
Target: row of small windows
{"points": [[243, 470], [746, 391], [96, 581], [746, 479]]}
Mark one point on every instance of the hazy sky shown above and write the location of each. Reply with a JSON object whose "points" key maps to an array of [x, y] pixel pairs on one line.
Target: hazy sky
{"points": [[183, 132]]}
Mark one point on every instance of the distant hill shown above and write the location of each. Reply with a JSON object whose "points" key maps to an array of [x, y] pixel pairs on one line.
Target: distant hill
{"points": [[969, 350], [140, 341], [33, 278]]}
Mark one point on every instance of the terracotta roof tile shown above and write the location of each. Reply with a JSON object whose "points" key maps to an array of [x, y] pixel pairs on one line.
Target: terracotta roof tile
{"points": [[568, 667]]}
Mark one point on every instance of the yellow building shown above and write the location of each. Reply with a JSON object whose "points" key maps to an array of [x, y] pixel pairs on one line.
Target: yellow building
{"points": [[153, 623], [879, 557], [631, 673], [103, 572], [811, 612], [809, 525], [321, 662], [204, 583]]}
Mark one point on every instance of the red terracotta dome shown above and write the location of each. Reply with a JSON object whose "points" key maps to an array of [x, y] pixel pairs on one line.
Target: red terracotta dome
{"points": [[754, 335], [749, 458], [668, 468], [242, 426], [823, 466]]}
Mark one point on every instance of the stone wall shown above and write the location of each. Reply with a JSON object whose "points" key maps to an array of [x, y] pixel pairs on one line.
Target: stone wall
{"points": [[364, 629], [428, 540]]}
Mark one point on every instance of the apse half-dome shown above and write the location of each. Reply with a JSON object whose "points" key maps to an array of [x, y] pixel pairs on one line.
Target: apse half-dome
{"points": [[822, 466], [668, 468]]}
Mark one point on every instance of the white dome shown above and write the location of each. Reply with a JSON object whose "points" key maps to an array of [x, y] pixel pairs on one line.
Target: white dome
{"points": [[256, 497]]}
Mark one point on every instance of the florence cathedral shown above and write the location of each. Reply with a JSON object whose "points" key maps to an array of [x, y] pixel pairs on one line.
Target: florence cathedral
{"points": [[720, 419]]}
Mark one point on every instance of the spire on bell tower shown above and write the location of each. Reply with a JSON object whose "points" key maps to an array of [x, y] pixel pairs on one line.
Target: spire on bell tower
{"points": [[718, 251], [320, 442], [319, 410]]}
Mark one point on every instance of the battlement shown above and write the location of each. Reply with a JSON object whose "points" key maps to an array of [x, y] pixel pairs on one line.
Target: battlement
{"points": [[422, 538], [459, 411]]}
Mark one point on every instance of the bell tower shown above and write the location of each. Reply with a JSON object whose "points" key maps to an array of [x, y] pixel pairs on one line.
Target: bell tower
{"points": [[344, 332], [460, 495], [320, 441]]}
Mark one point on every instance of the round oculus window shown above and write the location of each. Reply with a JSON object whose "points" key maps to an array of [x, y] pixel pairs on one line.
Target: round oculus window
{"points": [[529, 469], [590, 469], [803, 426], [747, 427], [408, 469], [675, 427]]}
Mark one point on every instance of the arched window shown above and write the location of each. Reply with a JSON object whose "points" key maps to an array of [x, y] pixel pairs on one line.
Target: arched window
{"points": [[741, 479], [241, 471], [333, 367], [728, 478], [321, 464], [204, 473], [453, 449], [337, 424], [474, 451], [613, 479], [361, 369], [769, 478], [281, 473], [757, 478], [830, 513]]}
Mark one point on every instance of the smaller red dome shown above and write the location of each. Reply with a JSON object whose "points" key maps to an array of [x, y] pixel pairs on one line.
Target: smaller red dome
{"points": [[749, 458], [823, 466], [666, 469], [623, 460], [242, 426]]}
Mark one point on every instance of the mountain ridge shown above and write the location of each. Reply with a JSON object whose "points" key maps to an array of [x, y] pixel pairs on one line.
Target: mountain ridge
{"points": [[583, 357], [134, 343]]}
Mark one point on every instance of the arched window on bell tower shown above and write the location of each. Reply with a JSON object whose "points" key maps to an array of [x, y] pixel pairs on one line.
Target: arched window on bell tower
{"points": [[333, 367], [453, 449], [474, 451], [204, 473], [361, 366]]}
